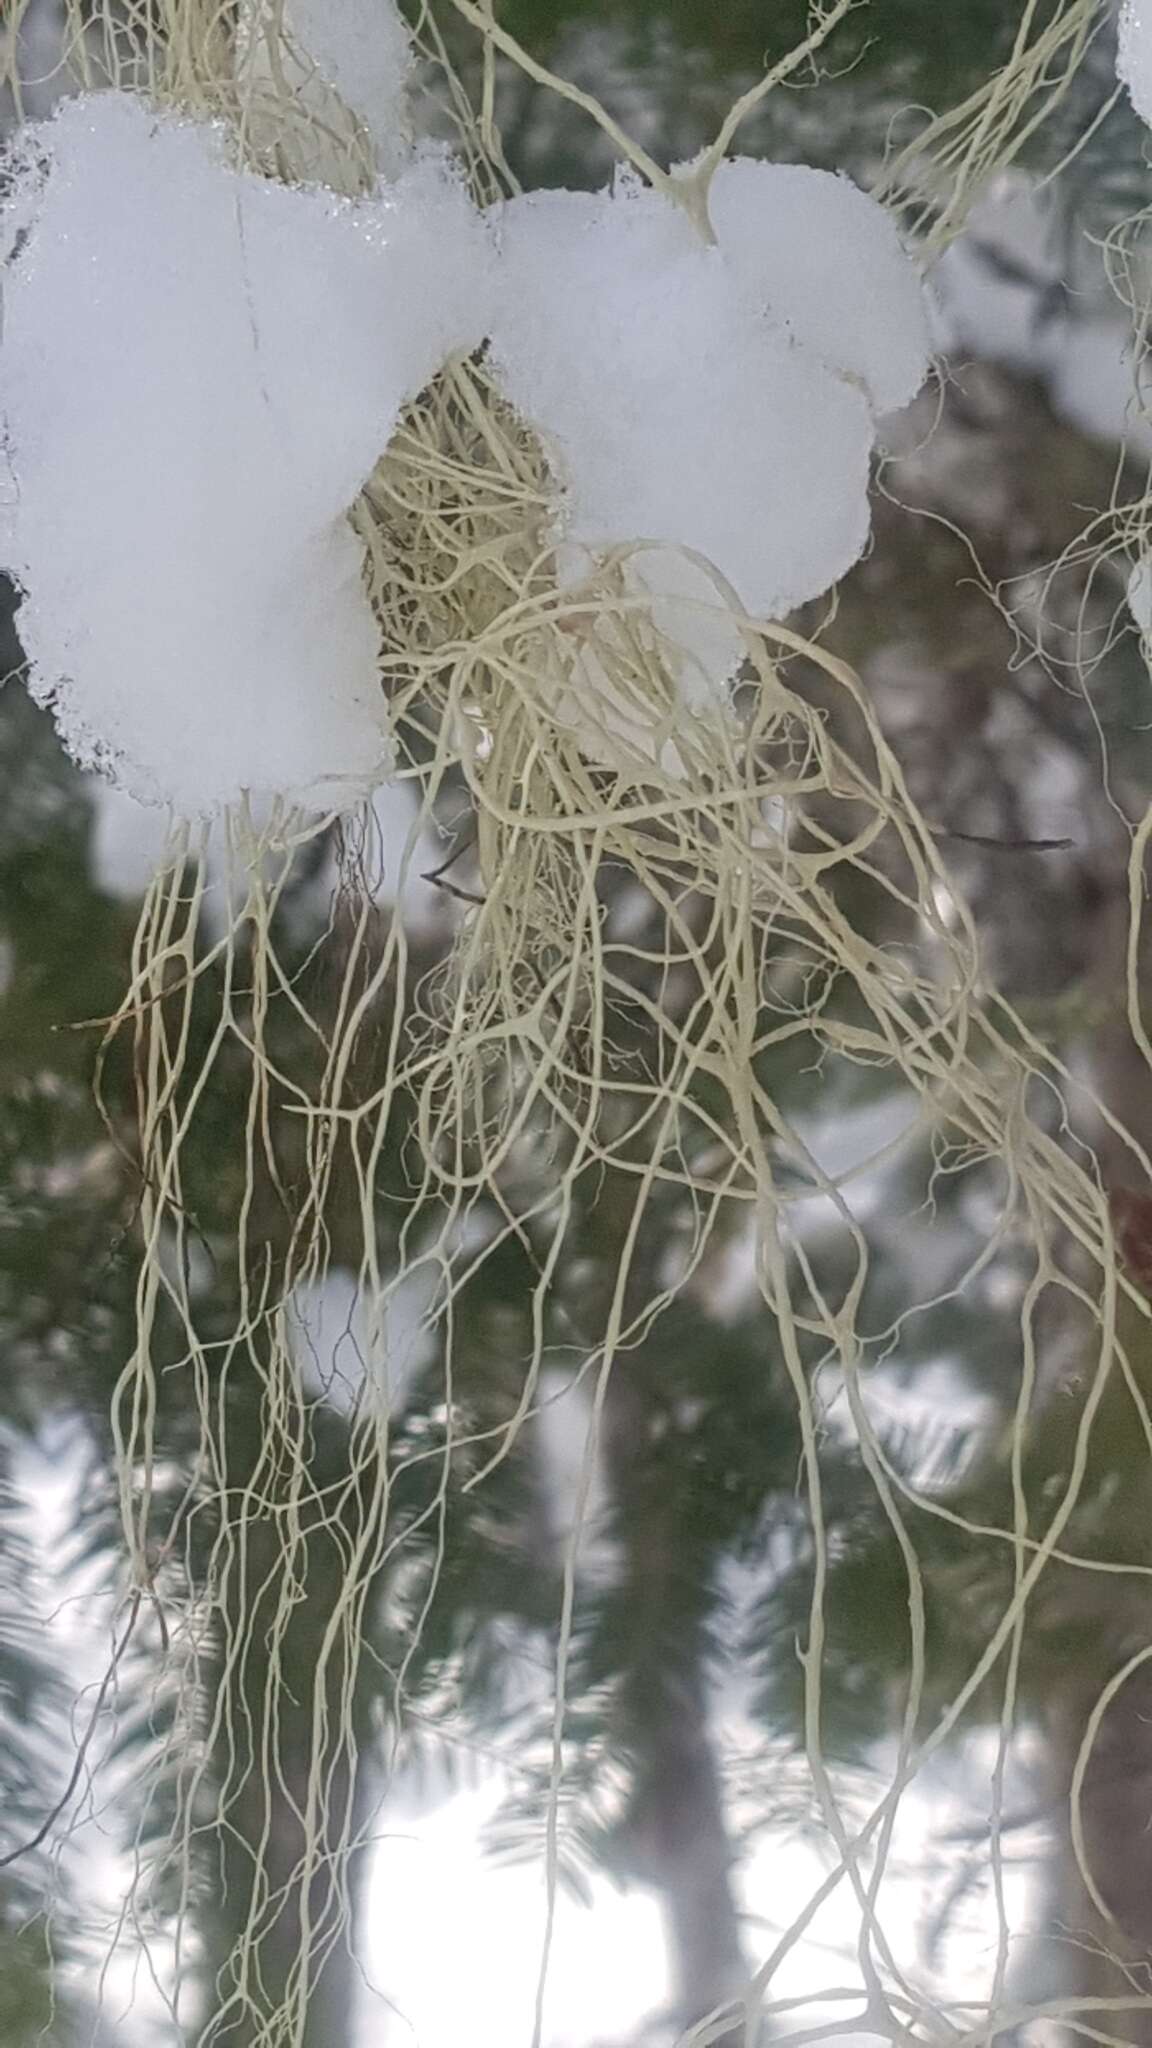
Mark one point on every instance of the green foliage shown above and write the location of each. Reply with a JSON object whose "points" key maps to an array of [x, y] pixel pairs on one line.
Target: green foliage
{"points": [[936, 53]]}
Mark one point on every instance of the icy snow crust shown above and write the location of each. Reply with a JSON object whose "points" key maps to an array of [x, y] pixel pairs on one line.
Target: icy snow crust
{"points": [[198, 370], [718, 398]]}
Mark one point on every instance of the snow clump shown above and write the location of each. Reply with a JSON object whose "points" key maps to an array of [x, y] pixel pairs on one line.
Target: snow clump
{"points": [[1134, 55], [1140, 596], [719, 398], [826, 263], [357, 50], [199, 368]]}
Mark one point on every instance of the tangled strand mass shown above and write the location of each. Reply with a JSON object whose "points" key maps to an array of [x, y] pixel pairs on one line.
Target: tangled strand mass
{"points": [[558, 1060]]}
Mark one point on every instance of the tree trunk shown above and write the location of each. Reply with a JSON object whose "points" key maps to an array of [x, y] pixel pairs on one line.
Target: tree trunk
{"points": [[1107, 1955], [1084, 1954], [677, 1832], [292, 1788]]}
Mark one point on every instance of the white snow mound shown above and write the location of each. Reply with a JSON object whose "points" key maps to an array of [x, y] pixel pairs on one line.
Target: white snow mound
{"points": [[719, 398], [1134, 55], [198, 370], [827, 264], [1140, 595], [358, 49]]}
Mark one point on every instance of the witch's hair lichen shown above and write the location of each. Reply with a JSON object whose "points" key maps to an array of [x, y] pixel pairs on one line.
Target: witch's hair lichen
{"points": [[542, 719]]}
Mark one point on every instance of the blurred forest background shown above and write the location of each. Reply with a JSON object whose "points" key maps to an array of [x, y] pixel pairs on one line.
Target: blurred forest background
{"points": [[684, 1739]]}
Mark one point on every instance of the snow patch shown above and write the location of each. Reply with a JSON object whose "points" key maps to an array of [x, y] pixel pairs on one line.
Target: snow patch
{"points": [[1134, 55], [332, 54], [827, 263], [1140, 596], [354, 1352], [189, 412], [713, 398]]}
